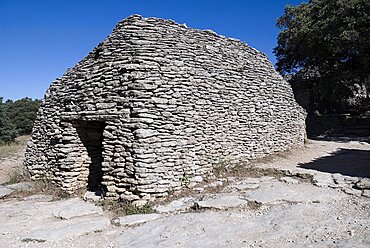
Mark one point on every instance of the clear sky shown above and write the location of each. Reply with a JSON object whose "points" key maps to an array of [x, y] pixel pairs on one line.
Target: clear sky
{"points": [[40, 39]]}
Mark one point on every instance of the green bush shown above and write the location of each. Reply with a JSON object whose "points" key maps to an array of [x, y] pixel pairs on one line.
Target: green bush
{"points": [[8, 131], [17, 118]]}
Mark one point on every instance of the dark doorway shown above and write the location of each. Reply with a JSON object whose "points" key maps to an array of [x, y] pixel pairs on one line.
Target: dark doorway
{"points": [[91, 136]]}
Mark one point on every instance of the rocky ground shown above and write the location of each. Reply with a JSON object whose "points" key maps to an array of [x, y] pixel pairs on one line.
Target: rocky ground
{"points": [[317, 196]]}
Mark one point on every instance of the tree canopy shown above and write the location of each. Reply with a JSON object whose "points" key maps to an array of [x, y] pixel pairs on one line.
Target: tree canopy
{"points": [[17, 118], [22, 113], [8, 132], [329, 40]]}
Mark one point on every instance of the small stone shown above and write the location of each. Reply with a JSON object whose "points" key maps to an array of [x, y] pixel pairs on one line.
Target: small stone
{"points": [[245, 186], [198, 190], [197, 179], [5, 191], [322, 180], [364, 183], [351, 191], [139, 203], [181, 204], [92, 196], [214, 184], [366, 193], [289, 180], [144, 133], [231, 179]]}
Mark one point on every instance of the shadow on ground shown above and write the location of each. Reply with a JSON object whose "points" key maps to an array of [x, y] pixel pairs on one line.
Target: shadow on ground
{"points": [[342, 139], [348, 162]]}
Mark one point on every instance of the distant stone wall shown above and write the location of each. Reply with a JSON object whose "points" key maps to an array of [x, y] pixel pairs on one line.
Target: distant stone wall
{"points": [[174, 101]]}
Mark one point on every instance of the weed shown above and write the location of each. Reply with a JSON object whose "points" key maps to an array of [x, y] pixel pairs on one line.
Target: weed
{"points": [[122, 207], [220, 167], [185, 180]]}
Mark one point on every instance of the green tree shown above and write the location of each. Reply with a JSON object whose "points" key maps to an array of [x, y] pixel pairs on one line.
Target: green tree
{"points": [[8, 132], [22, 113], [328, 41]]}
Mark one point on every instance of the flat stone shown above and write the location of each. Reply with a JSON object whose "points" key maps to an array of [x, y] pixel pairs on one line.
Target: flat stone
{"points": [[136, 219], [144, 133], [289, 180], [322, 179], [266, 178], [351, 191], [338, 178], [39, 198], [197, 179], [21, 186], [292, 226], [279, 192], [75, 208], [366, 193], [139, 203], [4, 191], [222, 202], [250, 180], [198, 189], [92, 196], [214, 184], [66, 229], [181, 204], [245, 186], [364, 183]]}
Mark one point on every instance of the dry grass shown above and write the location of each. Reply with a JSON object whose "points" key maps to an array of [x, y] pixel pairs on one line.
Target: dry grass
{"points": [[43, 187], [7, 150], [18, 175]]}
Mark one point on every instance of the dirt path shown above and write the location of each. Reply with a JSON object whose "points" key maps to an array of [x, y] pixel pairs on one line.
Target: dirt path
{"points": [[316, 196]]}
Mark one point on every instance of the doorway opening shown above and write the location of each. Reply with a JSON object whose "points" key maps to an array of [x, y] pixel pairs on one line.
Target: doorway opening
{"points": [[91, 136]]}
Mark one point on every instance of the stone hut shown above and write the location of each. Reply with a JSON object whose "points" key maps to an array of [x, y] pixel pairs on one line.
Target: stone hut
{"points": [[157, 102]]}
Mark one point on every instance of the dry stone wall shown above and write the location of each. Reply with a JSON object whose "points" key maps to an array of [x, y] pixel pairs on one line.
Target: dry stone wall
{"points": [[170, 102]]}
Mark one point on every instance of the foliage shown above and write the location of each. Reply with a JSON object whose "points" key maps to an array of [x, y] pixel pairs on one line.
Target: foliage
{"points": [[17, 118], [329, 40], [8, 131], [22, 113]]}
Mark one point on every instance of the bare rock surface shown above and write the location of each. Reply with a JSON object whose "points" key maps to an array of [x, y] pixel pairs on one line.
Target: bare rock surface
{"points": [[302, 225], [21, 186], [223, 201], [4, 191], [279, 192], [136, 219], [66, 229], [181, 204], [289, 180], [75, 208], [277, 213]]}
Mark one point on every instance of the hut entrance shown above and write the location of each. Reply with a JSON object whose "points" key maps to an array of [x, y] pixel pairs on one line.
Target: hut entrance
{"points": [[91, 136]]}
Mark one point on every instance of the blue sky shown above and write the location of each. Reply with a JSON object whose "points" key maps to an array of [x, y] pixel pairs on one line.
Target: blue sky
{"points": [[40, 39]]}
